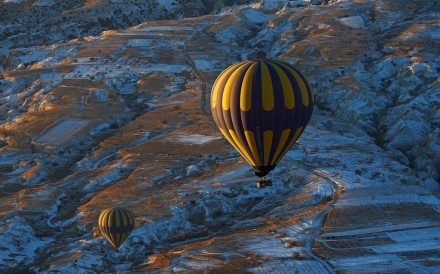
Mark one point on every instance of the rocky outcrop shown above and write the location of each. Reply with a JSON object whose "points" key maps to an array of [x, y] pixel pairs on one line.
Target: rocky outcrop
{"points": [[121, 118]]}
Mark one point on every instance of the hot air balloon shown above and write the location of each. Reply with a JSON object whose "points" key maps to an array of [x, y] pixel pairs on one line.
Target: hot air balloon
{"points": [[116, 225], [262, 107]]}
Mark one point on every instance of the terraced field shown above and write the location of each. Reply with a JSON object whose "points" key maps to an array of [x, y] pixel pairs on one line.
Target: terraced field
{"points": [[123, 119]]}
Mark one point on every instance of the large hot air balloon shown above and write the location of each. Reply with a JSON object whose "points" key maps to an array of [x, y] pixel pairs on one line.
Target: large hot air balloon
{"points": [[261, 107], [116, 225]]}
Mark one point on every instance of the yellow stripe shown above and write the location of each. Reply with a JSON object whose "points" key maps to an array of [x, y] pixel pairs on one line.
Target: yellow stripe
{"points": [[108, 237], [229, 138], [303, 88], [267, 141], [309, 87], [104, 219], [112, 238], [101, 217], [241, 148], [226, 98], [281, 143], [246, 89], [266, 84], [218, 81], [250, 138], [292, 141], [124, 217], [108, 218], [129, 217], [302, 85], [289, 97], [232, 142], [117, 219]]}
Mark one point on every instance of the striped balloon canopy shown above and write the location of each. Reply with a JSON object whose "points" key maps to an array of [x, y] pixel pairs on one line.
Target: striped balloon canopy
{"points": [[116, 225], [262, 107]]}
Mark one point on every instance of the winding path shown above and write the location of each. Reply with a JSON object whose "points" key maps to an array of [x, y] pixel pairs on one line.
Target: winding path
{"points": [[199, 75], [319, 220]]}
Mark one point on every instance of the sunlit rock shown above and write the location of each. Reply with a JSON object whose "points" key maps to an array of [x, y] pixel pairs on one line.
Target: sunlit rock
{"points": [[111, 107]]}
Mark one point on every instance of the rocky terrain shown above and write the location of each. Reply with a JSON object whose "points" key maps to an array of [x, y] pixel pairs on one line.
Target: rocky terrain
{"points": [[106, 103]]}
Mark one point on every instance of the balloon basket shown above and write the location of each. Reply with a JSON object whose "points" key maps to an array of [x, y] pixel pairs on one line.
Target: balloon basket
{"points": [[263, 182]]}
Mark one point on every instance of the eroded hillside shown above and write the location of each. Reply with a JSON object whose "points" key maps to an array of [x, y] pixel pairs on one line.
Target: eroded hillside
{"points": [[123, 118]]}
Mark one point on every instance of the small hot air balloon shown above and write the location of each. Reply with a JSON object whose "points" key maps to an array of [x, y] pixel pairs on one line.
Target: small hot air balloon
{"points": [[261, 107], [116, 225]]}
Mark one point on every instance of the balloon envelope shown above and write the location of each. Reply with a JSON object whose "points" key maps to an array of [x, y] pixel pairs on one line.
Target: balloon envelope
{"points": [[116, 225], [262, 107]]}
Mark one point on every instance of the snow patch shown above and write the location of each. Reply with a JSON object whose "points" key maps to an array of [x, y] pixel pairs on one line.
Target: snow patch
{"points": [[205, 65], [194, 139], [289, 266], [354, 22], [43, 3], [226, 35], [18, 243], [61, 132], [257, 16], [167, 4], [106, 178], [271, 247], [391, 199], [52, 78], [192, 169], [382, 263], [270, 5], [13, 1], [415, 246], [139, 42]]}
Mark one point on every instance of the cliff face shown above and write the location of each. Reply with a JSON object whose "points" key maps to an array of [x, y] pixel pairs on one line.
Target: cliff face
{"points": [[102, 104]]}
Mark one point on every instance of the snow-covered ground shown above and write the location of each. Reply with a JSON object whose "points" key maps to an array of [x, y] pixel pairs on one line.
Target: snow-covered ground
{"points": [[122, 119]]}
